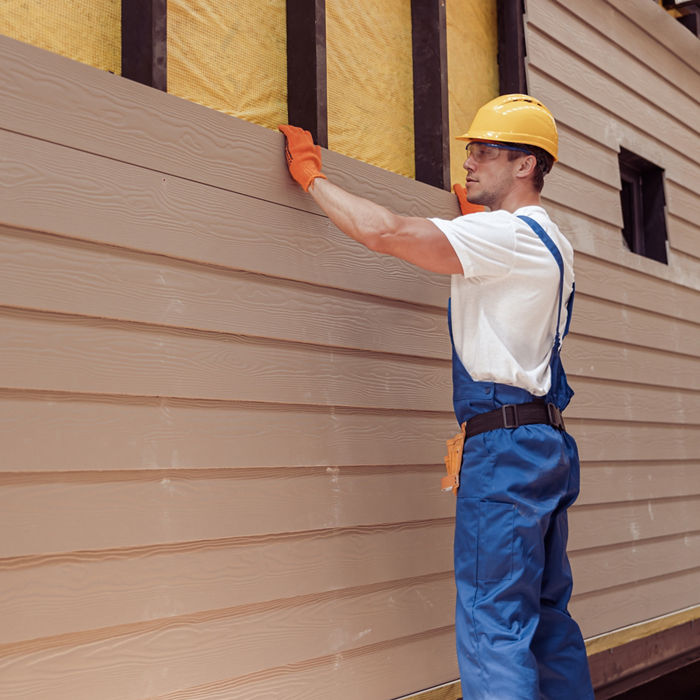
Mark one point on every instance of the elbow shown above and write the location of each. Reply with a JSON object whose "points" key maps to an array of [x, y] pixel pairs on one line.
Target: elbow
{"points": [[377, 241], [380, 237]]}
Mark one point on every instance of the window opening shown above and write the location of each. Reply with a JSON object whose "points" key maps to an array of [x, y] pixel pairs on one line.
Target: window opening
{"points": [[643, 206]]}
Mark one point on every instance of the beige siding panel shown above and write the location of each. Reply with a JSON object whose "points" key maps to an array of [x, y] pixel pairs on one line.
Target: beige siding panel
{"points": [[612, 321], [663, 28], [625, 564], [44, 431], [684, 236], [578, 192], [208, 575], [360, 673], [683, 203], [608, 440], [619, 523], [580, 113], [592, 46], [61, 101], [172, 507], [51, 273], [597, 239], [619, 27], [603, 359], [616, 98], [66, 276], [164, 433], [606, 280], [178, 652], [603, 399], [75, 354], [397, 495], [587, 156], [612, 608], [45, 351], [613, 482], [146, 211]]}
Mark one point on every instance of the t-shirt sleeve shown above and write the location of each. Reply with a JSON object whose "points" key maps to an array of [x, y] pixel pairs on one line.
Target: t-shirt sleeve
{"points": [[484, 243]]}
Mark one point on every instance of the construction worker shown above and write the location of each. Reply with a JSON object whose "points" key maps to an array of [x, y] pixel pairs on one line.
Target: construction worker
{"points": [[511, 293]]}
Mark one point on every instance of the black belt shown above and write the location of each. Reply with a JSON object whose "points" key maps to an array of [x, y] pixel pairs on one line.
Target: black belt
{"points": [[513, 415]]}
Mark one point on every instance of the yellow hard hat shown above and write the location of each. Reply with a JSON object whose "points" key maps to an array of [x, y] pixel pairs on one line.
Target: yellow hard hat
{"points": [[515, 119]]}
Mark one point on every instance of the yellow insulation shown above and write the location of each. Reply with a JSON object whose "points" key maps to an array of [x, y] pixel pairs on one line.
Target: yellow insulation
{"points": [[88, 31], [472, 68], [231, 56], [370, 82]]}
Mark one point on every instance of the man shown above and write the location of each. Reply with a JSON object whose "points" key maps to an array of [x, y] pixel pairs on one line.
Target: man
{"points": [[512, 275]]}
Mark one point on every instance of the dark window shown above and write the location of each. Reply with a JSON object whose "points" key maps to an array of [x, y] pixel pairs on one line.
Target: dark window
{"points": [[643, 206]]}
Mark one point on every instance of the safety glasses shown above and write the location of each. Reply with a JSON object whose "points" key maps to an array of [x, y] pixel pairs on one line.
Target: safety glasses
{"points": [[482, 152]]}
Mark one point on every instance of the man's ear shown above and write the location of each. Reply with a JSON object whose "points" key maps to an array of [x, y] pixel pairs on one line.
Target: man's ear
{"points": [[526, 166]]}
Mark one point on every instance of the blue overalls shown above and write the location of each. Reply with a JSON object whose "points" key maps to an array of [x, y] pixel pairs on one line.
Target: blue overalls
{"points": [[515, 637]]}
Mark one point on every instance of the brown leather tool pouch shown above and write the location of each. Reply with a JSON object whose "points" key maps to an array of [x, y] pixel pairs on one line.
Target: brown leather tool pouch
{"points": [[453, 460]]}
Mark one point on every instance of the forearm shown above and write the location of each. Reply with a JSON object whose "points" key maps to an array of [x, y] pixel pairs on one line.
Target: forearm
{"points": [[366, 222]]}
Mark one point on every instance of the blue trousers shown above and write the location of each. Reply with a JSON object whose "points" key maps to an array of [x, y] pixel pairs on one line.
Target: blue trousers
{"points": [[515, 637]]}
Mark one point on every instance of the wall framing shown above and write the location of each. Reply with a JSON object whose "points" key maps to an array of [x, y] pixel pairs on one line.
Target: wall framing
{"points": [[144, 42]]}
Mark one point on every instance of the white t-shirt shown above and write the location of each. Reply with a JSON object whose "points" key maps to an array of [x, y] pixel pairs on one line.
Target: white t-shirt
{"points": [[504, 307]]}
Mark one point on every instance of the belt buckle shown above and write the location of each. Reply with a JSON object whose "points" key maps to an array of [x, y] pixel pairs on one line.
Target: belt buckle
{"points": [[554, 416], [504, 414]]}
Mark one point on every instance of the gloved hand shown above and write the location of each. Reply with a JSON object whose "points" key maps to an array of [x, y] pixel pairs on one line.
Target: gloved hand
{"points": [[303, 157], [465, 206]]}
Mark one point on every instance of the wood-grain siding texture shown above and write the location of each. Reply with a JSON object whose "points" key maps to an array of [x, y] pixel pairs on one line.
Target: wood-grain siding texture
{"points": [[223, 422], [623, 74]]}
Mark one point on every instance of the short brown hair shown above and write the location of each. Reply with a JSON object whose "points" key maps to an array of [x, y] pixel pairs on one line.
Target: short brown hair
{"points": [[544, 162]]}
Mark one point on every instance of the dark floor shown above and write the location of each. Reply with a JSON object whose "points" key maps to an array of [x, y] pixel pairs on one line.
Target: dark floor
{"points": [[683, 684]]}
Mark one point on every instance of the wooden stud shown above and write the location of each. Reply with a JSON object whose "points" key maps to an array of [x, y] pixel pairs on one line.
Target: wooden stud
{"points": [[307, 93], [144, 32], [511, 47], [430, 96]]}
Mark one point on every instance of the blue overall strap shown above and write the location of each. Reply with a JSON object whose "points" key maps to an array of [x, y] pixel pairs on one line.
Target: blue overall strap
{"points": [[551, 246]]}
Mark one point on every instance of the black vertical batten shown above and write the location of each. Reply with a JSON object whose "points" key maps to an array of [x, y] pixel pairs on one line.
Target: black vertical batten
{"points": [[144, 24], [511, 46], [307, 93], [431, 123]]}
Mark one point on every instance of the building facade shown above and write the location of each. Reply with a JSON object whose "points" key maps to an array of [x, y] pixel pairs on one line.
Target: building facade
{"points": [[223, 422]]}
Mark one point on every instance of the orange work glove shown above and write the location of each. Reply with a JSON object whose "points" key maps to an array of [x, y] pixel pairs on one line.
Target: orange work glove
{"points": [[303, 157], [465, 206]]}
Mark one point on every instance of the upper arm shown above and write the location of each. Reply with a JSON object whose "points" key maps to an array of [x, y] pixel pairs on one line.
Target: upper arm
{"points": [[421, 242]]}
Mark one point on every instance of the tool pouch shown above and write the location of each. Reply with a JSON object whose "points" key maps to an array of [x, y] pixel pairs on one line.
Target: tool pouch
{"points": [[453, 460]]}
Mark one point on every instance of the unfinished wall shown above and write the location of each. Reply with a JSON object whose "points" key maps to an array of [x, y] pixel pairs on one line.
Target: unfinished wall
{"points": [[223, 423], [624, 73]]}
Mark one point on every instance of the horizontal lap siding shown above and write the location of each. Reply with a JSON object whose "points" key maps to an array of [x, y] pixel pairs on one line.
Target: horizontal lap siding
{"points": [[254, 510], [222, 421], [612, 80]]}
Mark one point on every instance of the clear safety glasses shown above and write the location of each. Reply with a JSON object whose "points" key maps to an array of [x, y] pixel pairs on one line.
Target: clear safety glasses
{"points": [[482, 152]]}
